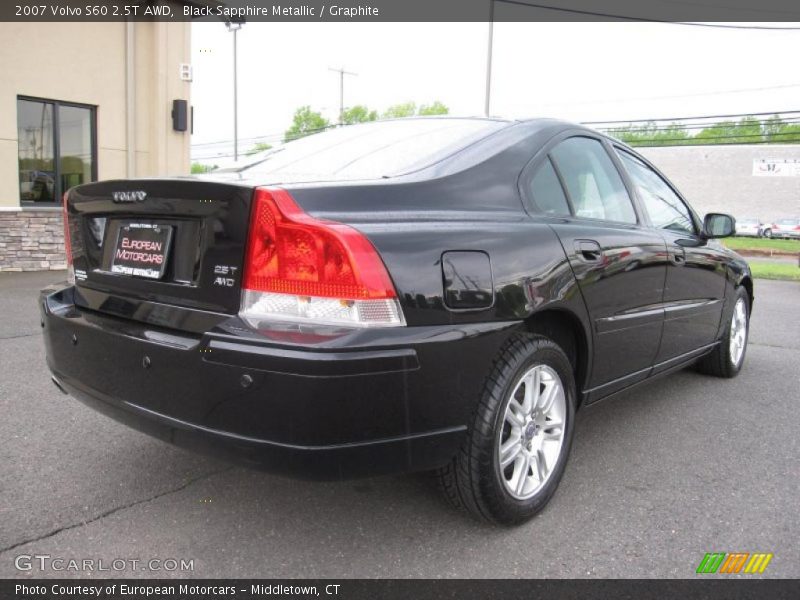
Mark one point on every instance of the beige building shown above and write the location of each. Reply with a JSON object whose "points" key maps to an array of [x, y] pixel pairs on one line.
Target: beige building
{"points": [[756, 180], [81, 102]]}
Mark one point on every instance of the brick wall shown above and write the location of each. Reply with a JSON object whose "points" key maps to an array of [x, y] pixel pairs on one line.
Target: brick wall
{"points": [[31, 240]]}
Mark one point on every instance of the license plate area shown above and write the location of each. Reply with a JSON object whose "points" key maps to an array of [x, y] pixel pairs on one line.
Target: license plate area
{"points": [[142, 250]]}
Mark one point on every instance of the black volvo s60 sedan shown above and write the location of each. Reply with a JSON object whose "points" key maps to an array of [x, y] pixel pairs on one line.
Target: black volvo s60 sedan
{"points": [[420, 294]]}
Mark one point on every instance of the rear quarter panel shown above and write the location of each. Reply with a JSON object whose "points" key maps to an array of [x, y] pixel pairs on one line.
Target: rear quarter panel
{"points": [[411, 227]]}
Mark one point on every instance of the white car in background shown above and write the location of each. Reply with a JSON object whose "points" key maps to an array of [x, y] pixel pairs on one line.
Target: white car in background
{"points": [[748, 226], [786, 228]]}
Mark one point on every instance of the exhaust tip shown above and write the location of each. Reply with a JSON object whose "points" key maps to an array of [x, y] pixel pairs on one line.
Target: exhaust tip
{"points": [[57, 383]]}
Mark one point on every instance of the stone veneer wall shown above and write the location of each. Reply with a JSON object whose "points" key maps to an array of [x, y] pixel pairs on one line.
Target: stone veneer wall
{"points": [[31, 240]]}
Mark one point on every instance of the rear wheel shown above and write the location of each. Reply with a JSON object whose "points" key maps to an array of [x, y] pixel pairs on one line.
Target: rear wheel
{"points": [[517, 446], [728, 357]]}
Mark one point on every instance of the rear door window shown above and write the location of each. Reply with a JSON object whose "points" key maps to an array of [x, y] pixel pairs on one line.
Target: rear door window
{"points": [[593, 183], [664, 207], [547, 193]]}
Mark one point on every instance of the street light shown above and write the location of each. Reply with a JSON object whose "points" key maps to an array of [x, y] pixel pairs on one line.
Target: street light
{"points": [[235, 25], [488, 98]]}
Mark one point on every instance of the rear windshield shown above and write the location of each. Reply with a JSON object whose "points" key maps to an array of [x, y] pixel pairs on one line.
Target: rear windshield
{"points": [[369, 150]]}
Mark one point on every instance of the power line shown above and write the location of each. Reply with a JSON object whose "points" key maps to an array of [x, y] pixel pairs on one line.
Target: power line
{"points": [[730, 136], [701, 142], [247, 139], [673, 96], [645, 143], [591, 13], [721, 26], [687, 141], [267, 137], [690, 127], [660, 119], [675, 123], [759, 11], [277, 139]]}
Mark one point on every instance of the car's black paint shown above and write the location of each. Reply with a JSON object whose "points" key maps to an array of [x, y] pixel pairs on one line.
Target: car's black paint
{"points": [[210, 221], [472, 262], [630, 258], [396, 390], [467, 280]]}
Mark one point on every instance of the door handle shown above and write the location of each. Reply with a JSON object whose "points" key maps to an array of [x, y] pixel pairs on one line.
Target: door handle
{"points": [[678, 256], [588, 250]]}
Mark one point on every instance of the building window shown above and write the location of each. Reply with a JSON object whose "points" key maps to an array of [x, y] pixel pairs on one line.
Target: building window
{"points": [[57, 149]]}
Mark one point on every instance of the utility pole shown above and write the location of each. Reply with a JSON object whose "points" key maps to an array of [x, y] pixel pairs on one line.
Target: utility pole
{"points": [[341, 73], [487, 103], [235, 98], [235, 26]]}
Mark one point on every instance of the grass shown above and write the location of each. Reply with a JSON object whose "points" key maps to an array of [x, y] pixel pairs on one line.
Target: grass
{"points": [[782, 271], [744, 243]]}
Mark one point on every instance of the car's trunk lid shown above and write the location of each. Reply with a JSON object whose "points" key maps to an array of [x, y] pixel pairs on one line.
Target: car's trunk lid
{"points": [[142, 248]]}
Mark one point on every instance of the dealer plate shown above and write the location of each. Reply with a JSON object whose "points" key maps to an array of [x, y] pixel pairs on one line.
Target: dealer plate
{"points": [[142, 250]]}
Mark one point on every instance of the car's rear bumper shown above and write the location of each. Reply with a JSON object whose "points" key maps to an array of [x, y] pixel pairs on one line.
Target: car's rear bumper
{"points": [[399, 402]]}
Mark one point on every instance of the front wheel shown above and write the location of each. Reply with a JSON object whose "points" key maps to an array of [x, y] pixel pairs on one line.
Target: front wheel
{"points": [[767, 233], [517, 445], [728, 357]]}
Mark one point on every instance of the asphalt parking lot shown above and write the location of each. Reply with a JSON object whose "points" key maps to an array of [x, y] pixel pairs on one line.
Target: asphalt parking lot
{"points": [[658, 477]]}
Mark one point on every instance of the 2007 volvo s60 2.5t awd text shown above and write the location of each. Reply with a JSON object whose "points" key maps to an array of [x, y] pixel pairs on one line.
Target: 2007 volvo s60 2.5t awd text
{"points": [[420, 294]]}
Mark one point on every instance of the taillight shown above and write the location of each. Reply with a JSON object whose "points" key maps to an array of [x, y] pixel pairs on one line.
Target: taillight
{"points": [[67, 242], [304, 269]]}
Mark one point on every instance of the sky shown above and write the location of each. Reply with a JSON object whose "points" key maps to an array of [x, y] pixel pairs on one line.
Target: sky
{"points": [[576, 71]]}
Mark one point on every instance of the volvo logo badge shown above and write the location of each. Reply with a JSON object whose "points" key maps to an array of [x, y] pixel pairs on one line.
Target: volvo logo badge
{"points": [[129, 196], [530, 431]]}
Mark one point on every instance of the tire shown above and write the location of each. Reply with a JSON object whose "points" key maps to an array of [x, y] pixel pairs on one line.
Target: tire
{"points": [[727, 359], [767, 233], [475, 479]]}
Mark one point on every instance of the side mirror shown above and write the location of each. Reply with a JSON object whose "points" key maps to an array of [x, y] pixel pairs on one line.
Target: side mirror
{"points": [[718, 225]]}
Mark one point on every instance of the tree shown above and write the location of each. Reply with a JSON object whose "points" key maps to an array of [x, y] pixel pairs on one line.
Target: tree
{"points": [[358, 114], [776, 130], [398, 111], [258, 147], [437, 108], [745, 131], [651, 134], [748, 130], [409, 109], [305, 122]]}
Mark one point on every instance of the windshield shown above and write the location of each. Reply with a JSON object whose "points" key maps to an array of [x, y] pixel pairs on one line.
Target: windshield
{"points": [[370, 150], [788, 221]]}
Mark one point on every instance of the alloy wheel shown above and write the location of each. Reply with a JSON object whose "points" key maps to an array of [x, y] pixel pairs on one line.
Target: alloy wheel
{"points": [[738, 336], [532, 433]]}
